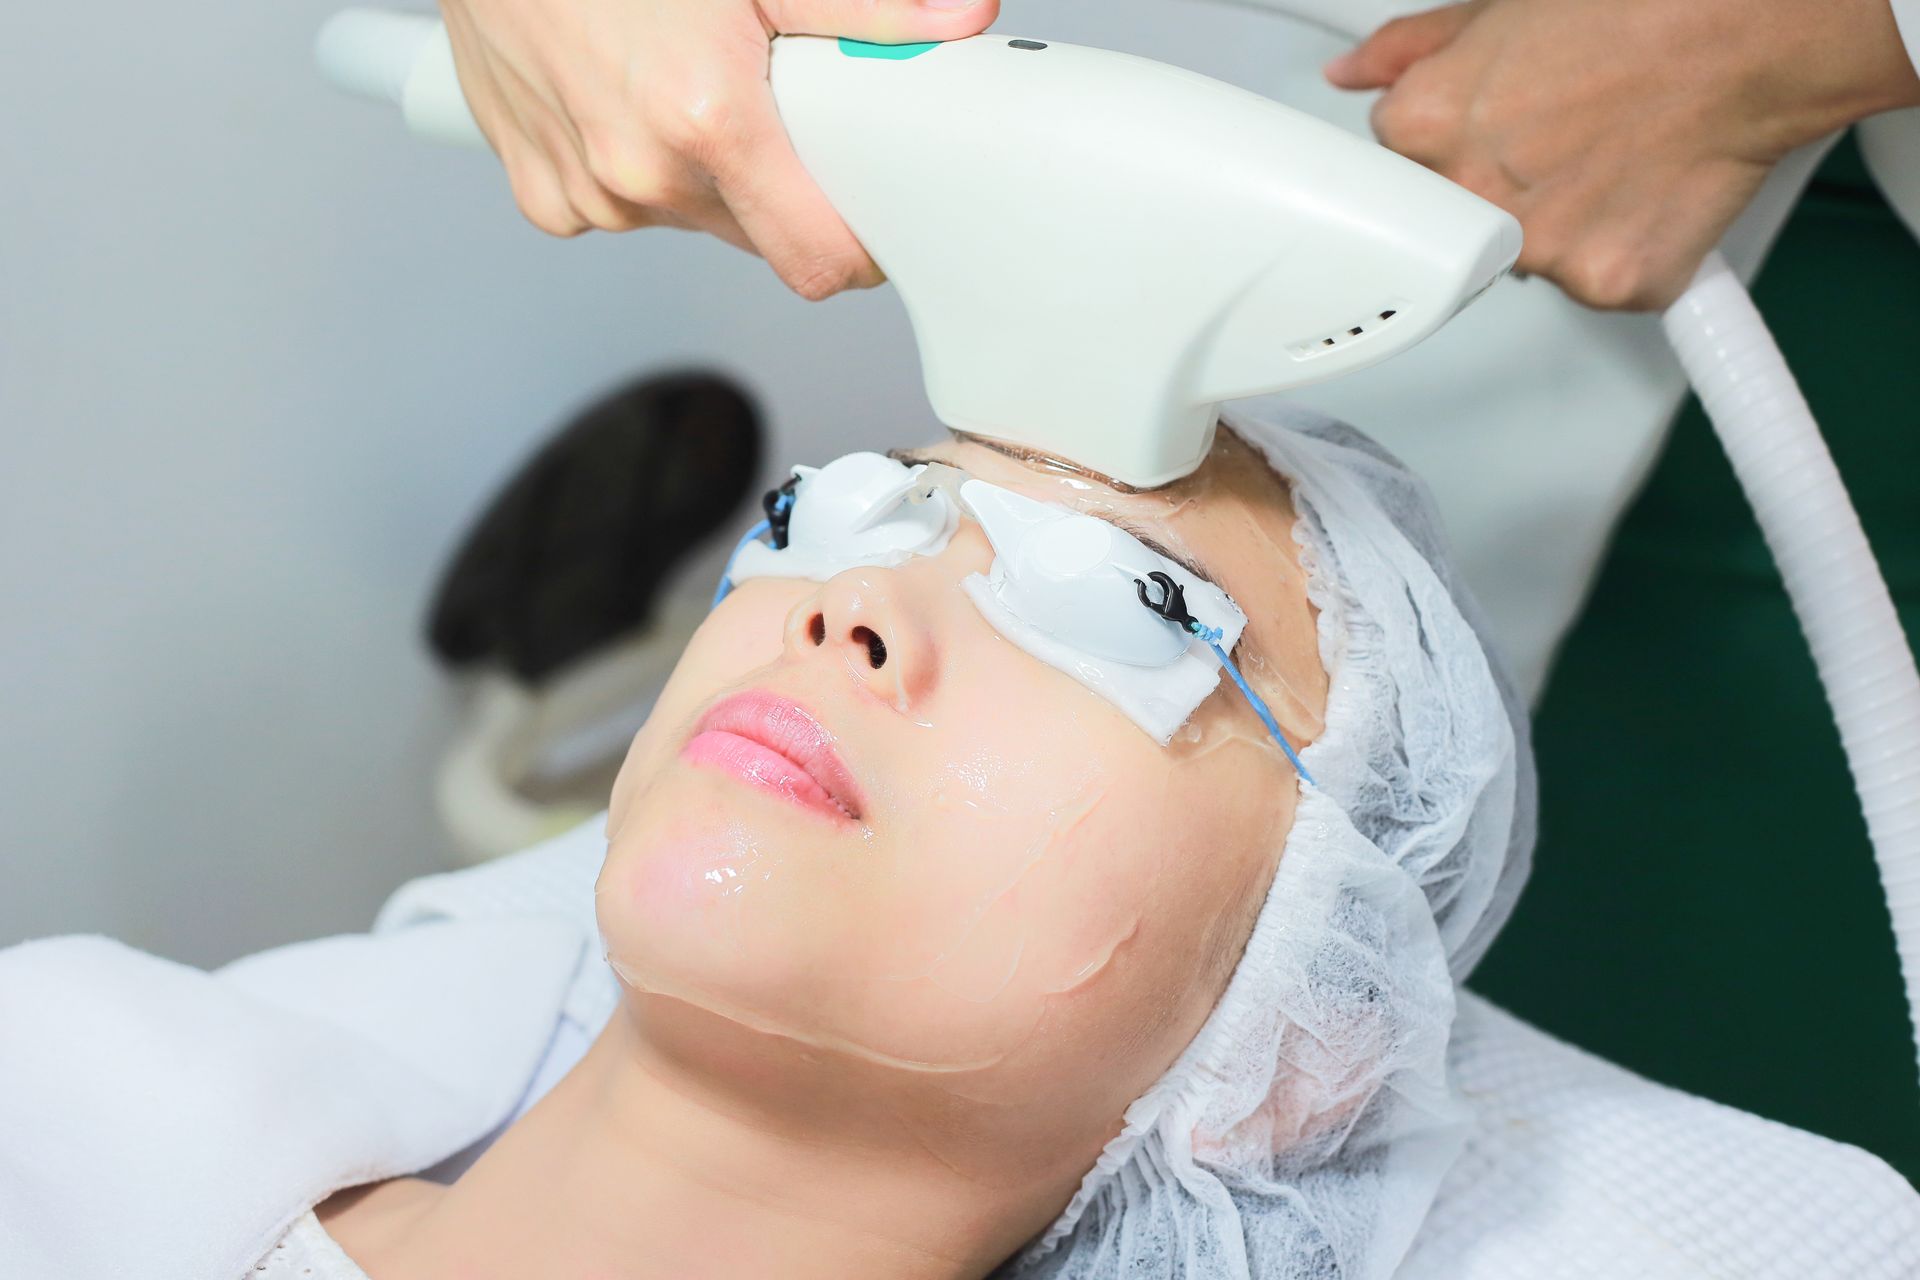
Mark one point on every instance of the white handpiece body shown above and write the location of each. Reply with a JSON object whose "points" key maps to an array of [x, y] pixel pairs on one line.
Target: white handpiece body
{"points": [[1095, 249]]}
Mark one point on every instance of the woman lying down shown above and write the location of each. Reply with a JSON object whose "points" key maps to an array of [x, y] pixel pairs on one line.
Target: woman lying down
{"points": [[1016, 877]]}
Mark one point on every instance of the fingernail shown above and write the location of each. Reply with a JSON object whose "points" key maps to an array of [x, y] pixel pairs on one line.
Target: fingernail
{"points": [[949, 4], [1338, 67]]}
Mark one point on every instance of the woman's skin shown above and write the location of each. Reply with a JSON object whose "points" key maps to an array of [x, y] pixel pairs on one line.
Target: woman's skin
{"points": [[890, 1039]]}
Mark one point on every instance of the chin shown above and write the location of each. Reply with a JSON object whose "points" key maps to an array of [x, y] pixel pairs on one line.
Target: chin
{"points": [[716, 898], [697, 900], [793, 973]]}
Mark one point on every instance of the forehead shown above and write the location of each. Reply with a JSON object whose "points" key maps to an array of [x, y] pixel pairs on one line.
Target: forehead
{"points": [[1233, 518]]}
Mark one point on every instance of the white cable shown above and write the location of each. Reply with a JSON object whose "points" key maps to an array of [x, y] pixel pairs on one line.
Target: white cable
{"points": [[1831, 576]]}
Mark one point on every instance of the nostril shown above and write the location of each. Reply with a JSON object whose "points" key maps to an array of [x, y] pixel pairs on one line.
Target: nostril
{"points": [[876, 647], [817, 629]]}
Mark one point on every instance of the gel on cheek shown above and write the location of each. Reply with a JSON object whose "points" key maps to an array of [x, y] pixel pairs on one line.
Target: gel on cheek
{"points": [[1291, 707], [725, 940], [1034, 932], [1097, 961], [1198, 739], [708, 875], [1087, 913], [981, 964], [940, 892]]}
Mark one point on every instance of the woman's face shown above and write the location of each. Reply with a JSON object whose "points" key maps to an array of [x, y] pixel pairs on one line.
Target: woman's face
{"points": [[861, 820]]}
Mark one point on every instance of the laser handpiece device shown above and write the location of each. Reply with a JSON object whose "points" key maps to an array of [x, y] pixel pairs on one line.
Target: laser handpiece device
{"points": [[1095, 249]]}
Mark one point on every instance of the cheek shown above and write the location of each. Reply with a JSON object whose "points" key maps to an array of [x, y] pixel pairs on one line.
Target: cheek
{"points": [[1177, 858], [990, 797], [1016, 878], [1049, 830]]}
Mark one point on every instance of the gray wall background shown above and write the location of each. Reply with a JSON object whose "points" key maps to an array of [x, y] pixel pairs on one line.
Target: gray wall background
{"points": [[262, 357]]}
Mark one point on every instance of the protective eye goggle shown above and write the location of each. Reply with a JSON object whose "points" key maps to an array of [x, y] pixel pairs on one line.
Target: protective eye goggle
{"points": [[1074, 591]]}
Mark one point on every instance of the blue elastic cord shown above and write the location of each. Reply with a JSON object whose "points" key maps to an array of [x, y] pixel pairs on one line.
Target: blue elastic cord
{"points": [[726, 577], [1213, 636]]}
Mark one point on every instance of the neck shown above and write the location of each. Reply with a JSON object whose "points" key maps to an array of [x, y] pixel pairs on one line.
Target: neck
{"points": [[638, 1166]]}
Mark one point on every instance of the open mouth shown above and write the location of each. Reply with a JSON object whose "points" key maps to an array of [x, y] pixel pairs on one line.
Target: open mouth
{"points": [[772, 743]]}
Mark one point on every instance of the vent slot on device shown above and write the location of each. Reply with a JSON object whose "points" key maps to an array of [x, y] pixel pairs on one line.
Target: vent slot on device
{"points": [[1372, 323]]}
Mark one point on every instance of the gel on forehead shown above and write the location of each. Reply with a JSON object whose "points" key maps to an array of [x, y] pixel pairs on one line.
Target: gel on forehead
{"points": [[848, 514]]}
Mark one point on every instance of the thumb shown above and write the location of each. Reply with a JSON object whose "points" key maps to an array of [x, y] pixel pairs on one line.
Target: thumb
{"points": [[881, 21], [1382, 57]]}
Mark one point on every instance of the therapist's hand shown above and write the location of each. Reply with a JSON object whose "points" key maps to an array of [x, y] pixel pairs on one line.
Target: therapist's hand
{"points": [[1626, 135], [629, 113]]}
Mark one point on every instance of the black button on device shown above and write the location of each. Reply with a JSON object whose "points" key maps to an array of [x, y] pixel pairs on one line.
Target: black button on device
{"points": [[1025, 44]]}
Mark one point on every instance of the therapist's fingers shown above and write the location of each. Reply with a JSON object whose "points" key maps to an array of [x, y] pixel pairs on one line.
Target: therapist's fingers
{"points": [[782, 211], [1635, 248], [615, 114], [768, 193], [531, 175], [1384, 56], [556, 139], [1626, 135]]}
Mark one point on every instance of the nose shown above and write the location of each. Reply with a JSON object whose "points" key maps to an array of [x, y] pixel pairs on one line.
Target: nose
{"points": [[860, 619]]}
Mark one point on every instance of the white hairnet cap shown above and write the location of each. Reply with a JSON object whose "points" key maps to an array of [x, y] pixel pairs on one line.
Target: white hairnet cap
{"points": [[1306, 1128]]}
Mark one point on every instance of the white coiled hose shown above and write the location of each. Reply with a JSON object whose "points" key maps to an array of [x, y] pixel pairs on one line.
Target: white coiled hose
{"points": [[1750, 395], [1838, 593], [1831, 576]]}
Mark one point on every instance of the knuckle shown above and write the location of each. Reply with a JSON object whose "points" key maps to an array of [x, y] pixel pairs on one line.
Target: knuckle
{"points": [[542, 204], [1415, 119], [622, 219], [1542, 250], [819, 279], [591, 203], [696, 123], [623, 167], [562, 225], [1477, 176], [1531, 155], [1505, 105], [1606, 274]]}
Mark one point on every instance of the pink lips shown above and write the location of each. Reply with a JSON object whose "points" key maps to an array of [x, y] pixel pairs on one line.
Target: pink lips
{"points": [[771, 743]]}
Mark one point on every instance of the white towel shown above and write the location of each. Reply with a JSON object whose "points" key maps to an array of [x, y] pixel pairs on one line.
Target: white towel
{"points": [[199, 1114]]}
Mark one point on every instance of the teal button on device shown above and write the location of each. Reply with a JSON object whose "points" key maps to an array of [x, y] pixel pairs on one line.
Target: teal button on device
{"points": [[890, 52]]}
